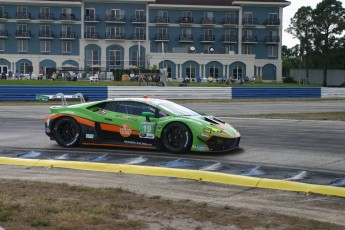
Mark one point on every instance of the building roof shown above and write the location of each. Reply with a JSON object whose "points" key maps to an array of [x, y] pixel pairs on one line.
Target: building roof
{"points": [[214, 2]]}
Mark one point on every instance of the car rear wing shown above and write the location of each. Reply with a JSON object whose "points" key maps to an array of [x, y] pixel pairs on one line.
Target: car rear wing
{"points": [[58, 96]]}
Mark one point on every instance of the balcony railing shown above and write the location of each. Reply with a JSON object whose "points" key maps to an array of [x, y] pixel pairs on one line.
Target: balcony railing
{"points": [[67, 35], [185, 38], [250, 22], [138, 37], [272, 39], [67, 17], [3, 16], [113, 36], [46, 34], [229, 21], [138, 19], [207, 38], [46, 17], [186, 20], [161, 37], [23, 16], [3, 34], [249, 39], [229, 39], [91, 18], [272, 22], [207, 21], [23, 34], [162, 20], [115, 18], [92, 35]]}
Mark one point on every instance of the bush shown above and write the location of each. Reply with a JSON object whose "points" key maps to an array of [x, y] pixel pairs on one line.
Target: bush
{"points": [[289, 80]]}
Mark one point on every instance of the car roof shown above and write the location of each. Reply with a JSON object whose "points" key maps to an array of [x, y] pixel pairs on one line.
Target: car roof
{"points": [[153, 101]]}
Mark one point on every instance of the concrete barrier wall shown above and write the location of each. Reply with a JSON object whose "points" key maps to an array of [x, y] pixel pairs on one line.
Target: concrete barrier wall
{"points": [[27, 93]]}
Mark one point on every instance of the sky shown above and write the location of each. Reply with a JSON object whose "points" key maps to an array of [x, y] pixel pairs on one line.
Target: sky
{"points": [[290, 11]]}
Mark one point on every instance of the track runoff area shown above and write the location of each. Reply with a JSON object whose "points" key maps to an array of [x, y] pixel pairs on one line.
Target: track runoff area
{"points": [[181, 168]]}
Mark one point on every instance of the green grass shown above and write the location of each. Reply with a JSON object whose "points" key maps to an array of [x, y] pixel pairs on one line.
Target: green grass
{"points": [[126, 83]]}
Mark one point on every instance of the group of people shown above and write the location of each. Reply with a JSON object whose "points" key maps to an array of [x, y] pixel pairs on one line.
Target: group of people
{"points": [[9, 75]]}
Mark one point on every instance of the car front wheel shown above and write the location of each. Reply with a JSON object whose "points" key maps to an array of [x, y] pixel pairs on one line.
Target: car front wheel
{"points": [[177, 137], [67, 132]]}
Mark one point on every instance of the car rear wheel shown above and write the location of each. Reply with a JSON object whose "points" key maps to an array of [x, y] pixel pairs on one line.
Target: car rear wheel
{"points": [[67, 132], [177, 138]]}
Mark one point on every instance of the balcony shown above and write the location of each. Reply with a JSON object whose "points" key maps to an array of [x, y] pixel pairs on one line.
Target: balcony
{"points": [[113, 36], [67, 35], [138, 37], [46, 34], [250, 22], [92, 18], [92, 36], [185, 38], [272, 22], [228, 39], [3, 16], [229, 22], [3, 34], [161, 37], [119, 19], [23, 34], [67, 18], [162, 20], [249, 39], [208, 21], [272, 39], [207, 38], [138, 19], [46, 17], [23, 16], [186, 20]]}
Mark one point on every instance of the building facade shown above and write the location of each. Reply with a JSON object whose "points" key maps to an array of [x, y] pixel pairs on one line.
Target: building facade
{"points": [[219, 38]]}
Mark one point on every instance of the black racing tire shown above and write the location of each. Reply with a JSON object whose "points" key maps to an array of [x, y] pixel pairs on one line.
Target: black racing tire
{"points": [[66, 132], [177, 137]]}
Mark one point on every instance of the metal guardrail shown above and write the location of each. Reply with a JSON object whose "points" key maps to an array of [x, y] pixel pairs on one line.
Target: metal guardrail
{"points": [[28, 93]]}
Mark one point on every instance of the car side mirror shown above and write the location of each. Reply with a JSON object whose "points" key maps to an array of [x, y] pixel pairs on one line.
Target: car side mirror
{"points": [[148, 115]]}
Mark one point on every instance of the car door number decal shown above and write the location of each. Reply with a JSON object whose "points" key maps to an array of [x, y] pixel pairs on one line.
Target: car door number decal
{"points": [[147, 130]]}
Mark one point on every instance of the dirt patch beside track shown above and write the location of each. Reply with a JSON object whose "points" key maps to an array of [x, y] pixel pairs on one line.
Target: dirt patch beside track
{"points": [[255, 208]]}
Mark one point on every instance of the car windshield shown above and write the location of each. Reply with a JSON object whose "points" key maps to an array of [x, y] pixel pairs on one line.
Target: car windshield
{"points": [[177, 109]]}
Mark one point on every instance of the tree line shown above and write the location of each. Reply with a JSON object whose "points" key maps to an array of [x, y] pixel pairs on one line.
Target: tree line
{"points": [[321, 35]]}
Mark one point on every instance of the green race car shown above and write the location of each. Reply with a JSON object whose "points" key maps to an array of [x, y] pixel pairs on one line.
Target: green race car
{"points": [[139, 123]]}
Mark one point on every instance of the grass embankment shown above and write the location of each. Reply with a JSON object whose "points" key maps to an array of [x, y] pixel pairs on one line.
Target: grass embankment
{"points": [[37, 205]]}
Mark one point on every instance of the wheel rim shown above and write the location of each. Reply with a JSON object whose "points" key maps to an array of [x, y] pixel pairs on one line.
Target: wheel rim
{"points": [[177, 137], [67, 132]]}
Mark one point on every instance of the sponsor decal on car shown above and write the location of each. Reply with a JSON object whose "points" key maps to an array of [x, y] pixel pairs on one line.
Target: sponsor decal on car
{"points": [[199, 147], [137, 143], [125, 130], [147, 130], [89, 136]]}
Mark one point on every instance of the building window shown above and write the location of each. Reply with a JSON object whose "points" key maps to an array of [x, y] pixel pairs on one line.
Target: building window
{"points": [[237, 72], [135, 59], [190, 72], [214, 71], [66, 47], [115, 58], [93, 58], [25, 68], [247, 49], [140, 15], [22, 46], [45, 46], [22, 12], [272, 51], [2, 45]]}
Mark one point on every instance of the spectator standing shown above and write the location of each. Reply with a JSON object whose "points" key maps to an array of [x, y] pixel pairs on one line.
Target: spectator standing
{"points": [[10, 74], [3, 75]]}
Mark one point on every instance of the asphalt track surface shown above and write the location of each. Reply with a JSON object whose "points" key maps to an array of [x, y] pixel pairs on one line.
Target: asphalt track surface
{"points": [[302, 145], [309, 145]]}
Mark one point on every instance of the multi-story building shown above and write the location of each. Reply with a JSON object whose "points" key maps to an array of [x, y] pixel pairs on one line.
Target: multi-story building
{"points": [[202, 38]]}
